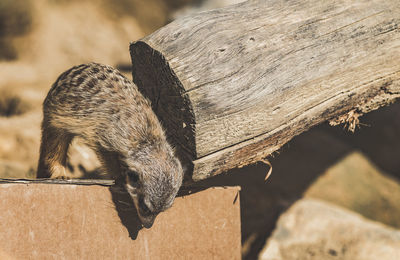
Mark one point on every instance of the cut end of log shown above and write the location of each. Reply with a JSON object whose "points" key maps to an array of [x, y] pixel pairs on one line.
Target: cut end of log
{"points": [[157, 82]]}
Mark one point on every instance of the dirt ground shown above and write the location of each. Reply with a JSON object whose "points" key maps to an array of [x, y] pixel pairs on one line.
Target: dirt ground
{"points": [[325, 162]]}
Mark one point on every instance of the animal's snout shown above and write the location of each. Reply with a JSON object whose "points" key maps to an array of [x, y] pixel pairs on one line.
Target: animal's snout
{"points": [[147, 222]]}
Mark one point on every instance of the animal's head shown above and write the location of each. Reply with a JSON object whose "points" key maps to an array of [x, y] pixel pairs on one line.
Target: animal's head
{"points": [[152, 178]]}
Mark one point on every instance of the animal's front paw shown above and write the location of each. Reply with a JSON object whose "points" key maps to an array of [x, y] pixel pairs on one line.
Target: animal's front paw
{"points": [[60, 173], [61, 177]]}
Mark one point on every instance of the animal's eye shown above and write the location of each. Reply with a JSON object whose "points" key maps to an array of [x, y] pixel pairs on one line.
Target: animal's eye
{"points": [[133, 176], [144, 210]]}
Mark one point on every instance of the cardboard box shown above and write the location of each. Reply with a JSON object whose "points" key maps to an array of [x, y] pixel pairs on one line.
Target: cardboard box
{"points": [[63, 221]]}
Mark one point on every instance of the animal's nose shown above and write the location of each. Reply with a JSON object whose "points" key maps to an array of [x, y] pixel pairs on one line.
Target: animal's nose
{"points": [[148, 223]]}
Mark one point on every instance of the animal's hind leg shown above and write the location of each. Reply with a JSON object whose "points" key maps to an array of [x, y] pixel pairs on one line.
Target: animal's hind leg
{"points": [[53, 152]]}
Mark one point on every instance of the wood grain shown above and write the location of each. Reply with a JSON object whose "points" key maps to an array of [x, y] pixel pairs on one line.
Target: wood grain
{"points": [[233, 85], [60, 181]]}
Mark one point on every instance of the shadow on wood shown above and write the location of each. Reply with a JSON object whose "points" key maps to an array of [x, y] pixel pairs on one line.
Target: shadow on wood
{"points": [[126, 210]]}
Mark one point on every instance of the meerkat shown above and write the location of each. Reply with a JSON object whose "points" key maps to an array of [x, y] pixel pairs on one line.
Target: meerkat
{"points": [[97, 103]]}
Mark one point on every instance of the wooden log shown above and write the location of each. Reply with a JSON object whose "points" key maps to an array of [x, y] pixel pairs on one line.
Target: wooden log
{"points": [[233, 85]]}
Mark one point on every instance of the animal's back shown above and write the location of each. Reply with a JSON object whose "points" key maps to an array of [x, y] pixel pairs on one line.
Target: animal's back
{"points": [[92, 100]]}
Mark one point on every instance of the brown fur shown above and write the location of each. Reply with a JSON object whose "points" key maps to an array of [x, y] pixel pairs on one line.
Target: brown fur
{"points": [[97, 103]]}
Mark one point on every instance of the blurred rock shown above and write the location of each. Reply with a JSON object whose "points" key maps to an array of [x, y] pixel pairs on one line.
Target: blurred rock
{"points": [[376, 137], [313, 229], [355, 183]]}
